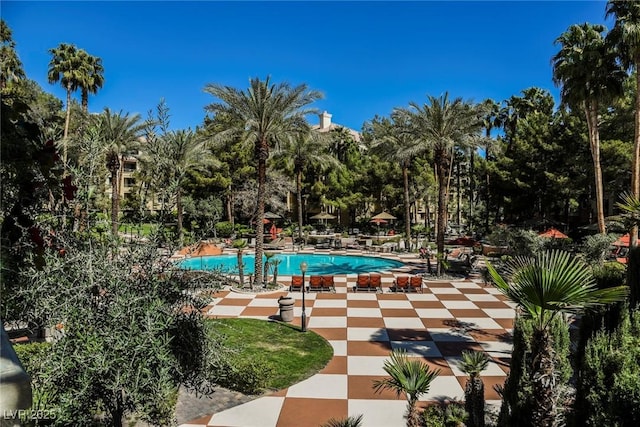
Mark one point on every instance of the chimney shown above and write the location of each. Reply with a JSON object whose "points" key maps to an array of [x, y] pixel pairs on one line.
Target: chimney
{"points": [[325, 120]]}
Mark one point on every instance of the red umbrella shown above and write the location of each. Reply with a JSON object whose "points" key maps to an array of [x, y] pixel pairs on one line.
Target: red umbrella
{"points": [[379, 221], [274, 232], [553, 233], [623, 240]]}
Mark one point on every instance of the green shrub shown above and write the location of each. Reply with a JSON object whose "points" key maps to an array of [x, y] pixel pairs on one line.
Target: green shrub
{"points": [[224, 229], [608, 387], [249, 377], [448, 414], [524, 242], [594, 248], [610, 274]]}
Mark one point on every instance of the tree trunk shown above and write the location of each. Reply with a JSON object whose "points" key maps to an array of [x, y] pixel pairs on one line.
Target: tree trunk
{"points": [[85, 101], [413, 415], [544, 380], [179, 209], [441, 170], [114, 200], [299, 201], [67, 119], [240, 268], [474, 401], [262, 153], [230, 205], [635, 161], [407, 207], [591, 112]]}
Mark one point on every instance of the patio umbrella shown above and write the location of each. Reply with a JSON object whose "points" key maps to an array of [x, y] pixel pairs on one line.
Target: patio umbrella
{"points": [[383, 215], [271, 215], [622, 240], [378, 221], [323, 216], [553, 233], [274, 232]]}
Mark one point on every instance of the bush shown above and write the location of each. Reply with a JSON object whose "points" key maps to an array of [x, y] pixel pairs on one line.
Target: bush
{"points": [[610, 274], [224, 229], [608, 389], [524, 242], [248, 377], [594, 249], [448, 414]]}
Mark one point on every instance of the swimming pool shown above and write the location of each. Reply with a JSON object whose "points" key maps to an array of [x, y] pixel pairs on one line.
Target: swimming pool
{"points": [[290, 263]]}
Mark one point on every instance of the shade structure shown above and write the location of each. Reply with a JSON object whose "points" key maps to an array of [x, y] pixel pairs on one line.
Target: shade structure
{"points": [[462, 241], [271, 215], [273, 231], [383, 215], [553, 233], [623, 240], [323, 215], [379, 221]]}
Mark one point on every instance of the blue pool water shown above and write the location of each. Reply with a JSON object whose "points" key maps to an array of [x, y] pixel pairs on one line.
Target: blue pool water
{"points": [[290, 264]]}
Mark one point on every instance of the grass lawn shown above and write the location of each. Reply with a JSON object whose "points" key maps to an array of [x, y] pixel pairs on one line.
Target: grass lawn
{"points": [[292, 354]]}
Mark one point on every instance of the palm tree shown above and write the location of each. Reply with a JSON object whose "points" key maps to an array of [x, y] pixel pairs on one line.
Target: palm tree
{"points": [[630, 206], [625, 34], [67, 67], [544, 287], [186, 153], [267, 113], [587, 70], [474, 362], [441, 126], [298, 152], [10, 65], [91, 79], [394, 141], [409, 376], [352, 421], [240, 244], [119, 135]]}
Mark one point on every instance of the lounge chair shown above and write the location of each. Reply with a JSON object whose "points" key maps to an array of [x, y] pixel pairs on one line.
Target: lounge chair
{"points": [[315, 283], [415, 284], [362, 283], [375, 282], [275, 244], [296, 284], [401, 284], [328, 283]]}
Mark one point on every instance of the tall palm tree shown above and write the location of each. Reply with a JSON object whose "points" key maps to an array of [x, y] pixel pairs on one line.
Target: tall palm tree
{"points": [[441, 126], [589, 75], [625, 34], [474, 362], [490, 121], [544, 287], [240, 245], [66, 67], [301, 150], [119, 135], [409, 376], [267, 113], [91, 79], [186, 153], [394, 141], [10, 65]]}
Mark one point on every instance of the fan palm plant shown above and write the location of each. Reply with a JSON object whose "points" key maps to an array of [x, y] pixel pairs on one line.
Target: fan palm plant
{"points": [[474, 362], [91, 78], [262, 115], [409, 376], [352, 421], [545, 286]]}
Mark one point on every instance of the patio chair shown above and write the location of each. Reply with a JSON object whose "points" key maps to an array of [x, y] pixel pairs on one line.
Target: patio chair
{"points": [[296, 284], [315, 283], [401, 284], [362, 283], [328, 283], [415, 284], [375, 282]]}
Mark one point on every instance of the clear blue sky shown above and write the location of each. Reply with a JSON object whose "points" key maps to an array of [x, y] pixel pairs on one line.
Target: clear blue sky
{"points": [[366, 57]]}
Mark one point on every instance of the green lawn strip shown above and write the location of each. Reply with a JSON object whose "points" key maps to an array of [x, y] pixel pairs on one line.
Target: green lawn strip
{"points": [[292, 354]]}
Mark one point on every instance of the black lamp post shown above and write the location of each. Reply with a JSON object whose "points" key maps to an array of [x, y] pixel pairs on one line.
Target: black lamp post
{"points": [[303, 269]]}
